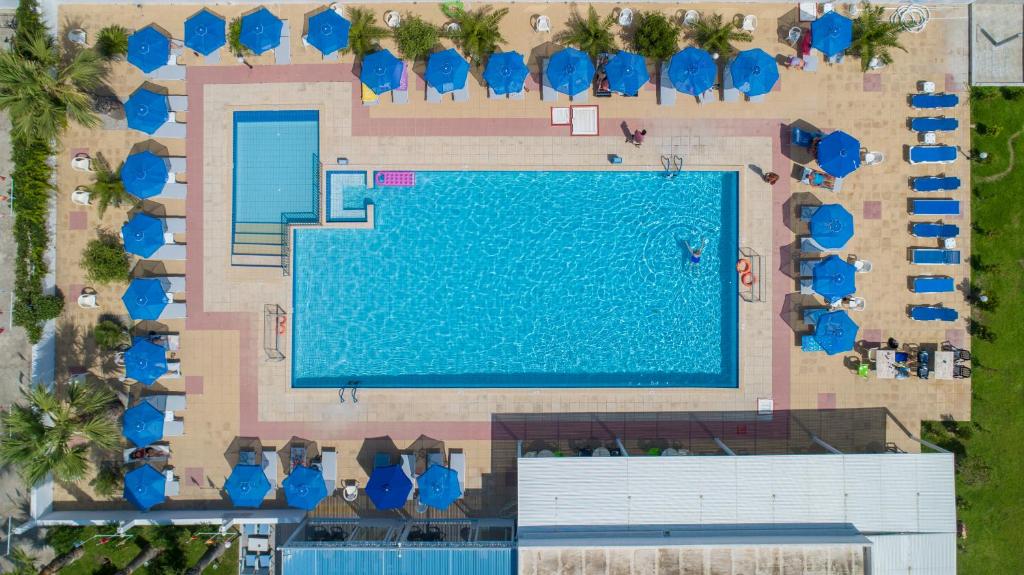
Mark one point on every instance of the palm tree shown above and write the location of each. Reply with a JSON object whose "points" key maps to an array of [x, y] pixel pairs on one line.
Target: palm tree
{"points": [[364, 33], [108, 189], [873, 36], [48, 433], [42, 90], [716, 36], [110, 334], [24, 562], [592, 34], [477, 33]]}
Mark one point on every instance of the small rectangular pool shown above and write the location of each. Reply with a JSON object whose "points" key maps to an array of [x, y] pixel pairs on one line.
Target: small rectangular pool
{"points": [[524, 279]]}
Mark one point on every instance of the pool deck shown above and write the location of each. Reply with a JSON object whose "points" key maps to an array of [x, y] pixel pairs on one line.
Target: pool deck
{"points": [[232, 392]]}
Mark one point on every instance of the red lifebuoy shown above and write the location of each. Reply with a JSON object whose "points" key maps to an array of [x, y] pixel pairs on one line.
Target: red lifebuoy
{"points": [[747, 279], [282, 325], [742, 265]]}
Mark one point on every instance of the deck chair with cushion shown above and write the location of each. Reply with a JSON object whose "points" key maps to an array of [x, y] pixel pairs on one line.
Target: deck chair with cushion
{"points": [[934, 124], [283, 51], [933, 284], [462, 94], [173, 486], [729, 91], [457, 461], [933, 313], [369, 97], [932, 154], [809, 343], [666, 90], [934, 101], [271, 467], [433, 96], [935, 184], [934, 207], [936, 230], [174, 428], [934, 256], [400, 95], [329, 468], [547, 91]]}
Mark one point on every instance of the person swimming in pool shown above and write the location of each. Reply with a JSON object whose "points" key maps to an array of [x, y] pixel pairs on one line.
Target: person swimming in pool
{"points": [[695, 252]]}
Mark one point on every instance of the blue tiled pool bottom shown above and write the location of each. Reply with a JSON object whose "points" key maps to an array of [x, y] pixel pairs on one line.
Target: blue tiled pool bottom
{"points": [[524, 279], [274, 169]]}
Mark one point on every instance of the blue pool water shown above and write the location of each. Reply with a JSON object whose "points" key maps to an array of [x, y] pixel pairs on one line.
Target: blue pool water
{"points": [[524, 279], [274, 169]]}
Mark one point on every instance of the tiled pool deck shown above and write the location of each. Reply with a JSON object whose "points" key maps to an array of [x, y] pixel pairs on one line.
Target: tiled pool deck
{"points": [[233, 392]]}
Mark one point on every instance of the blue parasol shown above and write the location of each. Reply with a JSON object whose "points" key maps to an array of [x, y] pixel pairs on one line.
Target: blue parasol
{"points": [[145, 361], [261, 31], [145, 298], [247, 486], [831, 226], [447, 71], [754, 72], [143, 235], [835, 332], [692, 71], [328, 31], [146, 110], [570, 71], [149, 49], [381, 71], [627, 73], [839, 154], [204, 32], [144, 174], [506, 72], [144, 487], [143, 424], [832, 278], [439, 486], [304, 487], [832, 33], [388, 487]]}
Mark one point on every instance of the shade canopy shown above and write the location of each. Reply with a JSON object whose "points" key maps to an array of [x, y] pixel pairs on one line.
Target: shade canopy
{"points": [[304, 487], [261, 31], [754, 72], [627, 73], [143, 235], [506, 72], [144, 487], [570, 71], [839, 154], [247, 486], [835, 332], [146, 110], [832, 278], [328, 31], [145, 361], [381, 71], [692, 71], [388, 487], [143, 424], [145, 298], [439, 486], [204, 32], [148, 49], [832, 33], [447, 71], [144, 174], [831, 226]]}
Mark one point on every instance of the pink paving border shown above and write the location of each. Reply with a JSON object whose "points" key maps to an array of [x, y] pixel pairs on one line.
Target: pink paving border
{"points": [[363, 125]]}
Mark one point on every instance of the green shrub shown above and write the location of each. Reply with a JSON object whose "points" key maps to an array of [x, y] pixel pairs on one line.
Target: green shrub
{"points": [[416, 37], [655, 36], [982, 93], [109, 481], [235, 38], [1011, 92], [112, 42], [104, 260], [32, 312], [973, 471], [109, 334], [990, 130]]}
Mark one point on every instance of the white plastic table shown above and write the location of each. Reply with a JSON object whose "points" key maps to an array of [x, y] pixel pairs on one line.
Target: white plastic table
{"points": [[944, 361]]}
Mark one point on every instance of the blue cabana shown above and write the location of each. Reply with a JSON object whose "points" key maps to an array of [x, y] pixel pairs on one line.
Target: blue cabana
{"points": [[570, 71], [754, 72], [692, 71], [839, 154], [447, 71], [144, 174], [832, 278], [143, 424], [439, 486], [145, 298], [506, 72], [261, 31], [145, 361], [381, 71], [304, 487], [832, 33], [835, 332], [247, 486], [831, 226], [143, 235], [388, 487], [204, 32], [148, 49], [144, 487], [146, 110], [327, 31], [627, 73]]}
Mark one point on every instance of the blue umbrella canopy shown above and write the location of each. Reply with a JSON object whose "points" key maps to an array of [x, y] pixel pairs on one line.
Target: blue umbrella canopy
{"points": [[506, 72], [145, 361], [381, 71], [304, 487], [144, 487], [570, 71], [145, 298], [247, 486], [143, 424], [447, 71], [831, 226], [439, 486], [328, 31], [839, 154], [627, 73], [835, 332], [692, 71], [204, 32], [144, 174], [261, 31], [832, 33], [832, 278], [388, 487], [143, 235], [754, 72], [146, 110], [148, 49]]}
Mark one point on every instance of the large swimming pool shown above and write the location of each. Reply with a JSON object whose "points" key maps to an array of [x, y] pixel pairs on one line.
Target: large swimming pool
{"points": [[524, 279]]}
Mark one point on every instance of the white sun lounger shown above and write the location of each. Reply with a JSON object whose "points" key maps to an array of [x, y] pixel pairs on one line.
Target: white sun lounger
{"points": [[271, 467], [164, 402], [707, 97], [212, 58], [457, 461], [172, 284], [283, 52], [435, 458], [547, 91], [173, 310], [666, 91], [171, 71], [178, 103], [581, 97], [174, 130], [168, 341], [173, 225], [433, 96], [492, 95], [329, 468], [461, 95], [173, 191], [409, 468], [517, 95], [170, 252], [173, 486], [756, 99], [173, 370], [729, 91], [174, 428]]}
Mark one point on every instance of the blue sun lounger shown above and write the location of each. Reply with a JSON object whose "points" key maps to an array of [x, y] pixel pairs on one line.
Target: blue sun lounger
{"points": [[933, 313], [809, 343], [934, 256], [933, 284], [803, 138], [934, 207], [812, 314], [930, 230], [934, 101], [939, 124], [935, 184], [932, 154]]}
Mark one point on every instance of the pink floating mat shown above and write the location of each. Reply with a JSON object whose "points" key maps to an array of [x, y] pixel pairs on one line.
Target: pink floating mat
{"points": [[399, 179]]}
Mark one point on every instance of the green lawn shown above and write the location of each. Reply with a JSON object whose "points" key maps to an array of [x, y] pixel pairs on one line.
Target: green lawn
{"points": [[107, 558], [990, 479]]}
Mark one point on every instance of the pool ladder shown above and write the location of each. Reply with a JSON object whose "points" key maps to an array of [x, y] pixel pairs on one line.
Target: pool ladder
{"points": [[673, 163]]}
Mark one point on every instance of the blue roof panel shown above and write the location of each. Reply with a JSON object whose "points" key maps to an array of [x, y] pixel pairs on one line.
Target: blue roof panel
{"points": [[394, 561]]}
